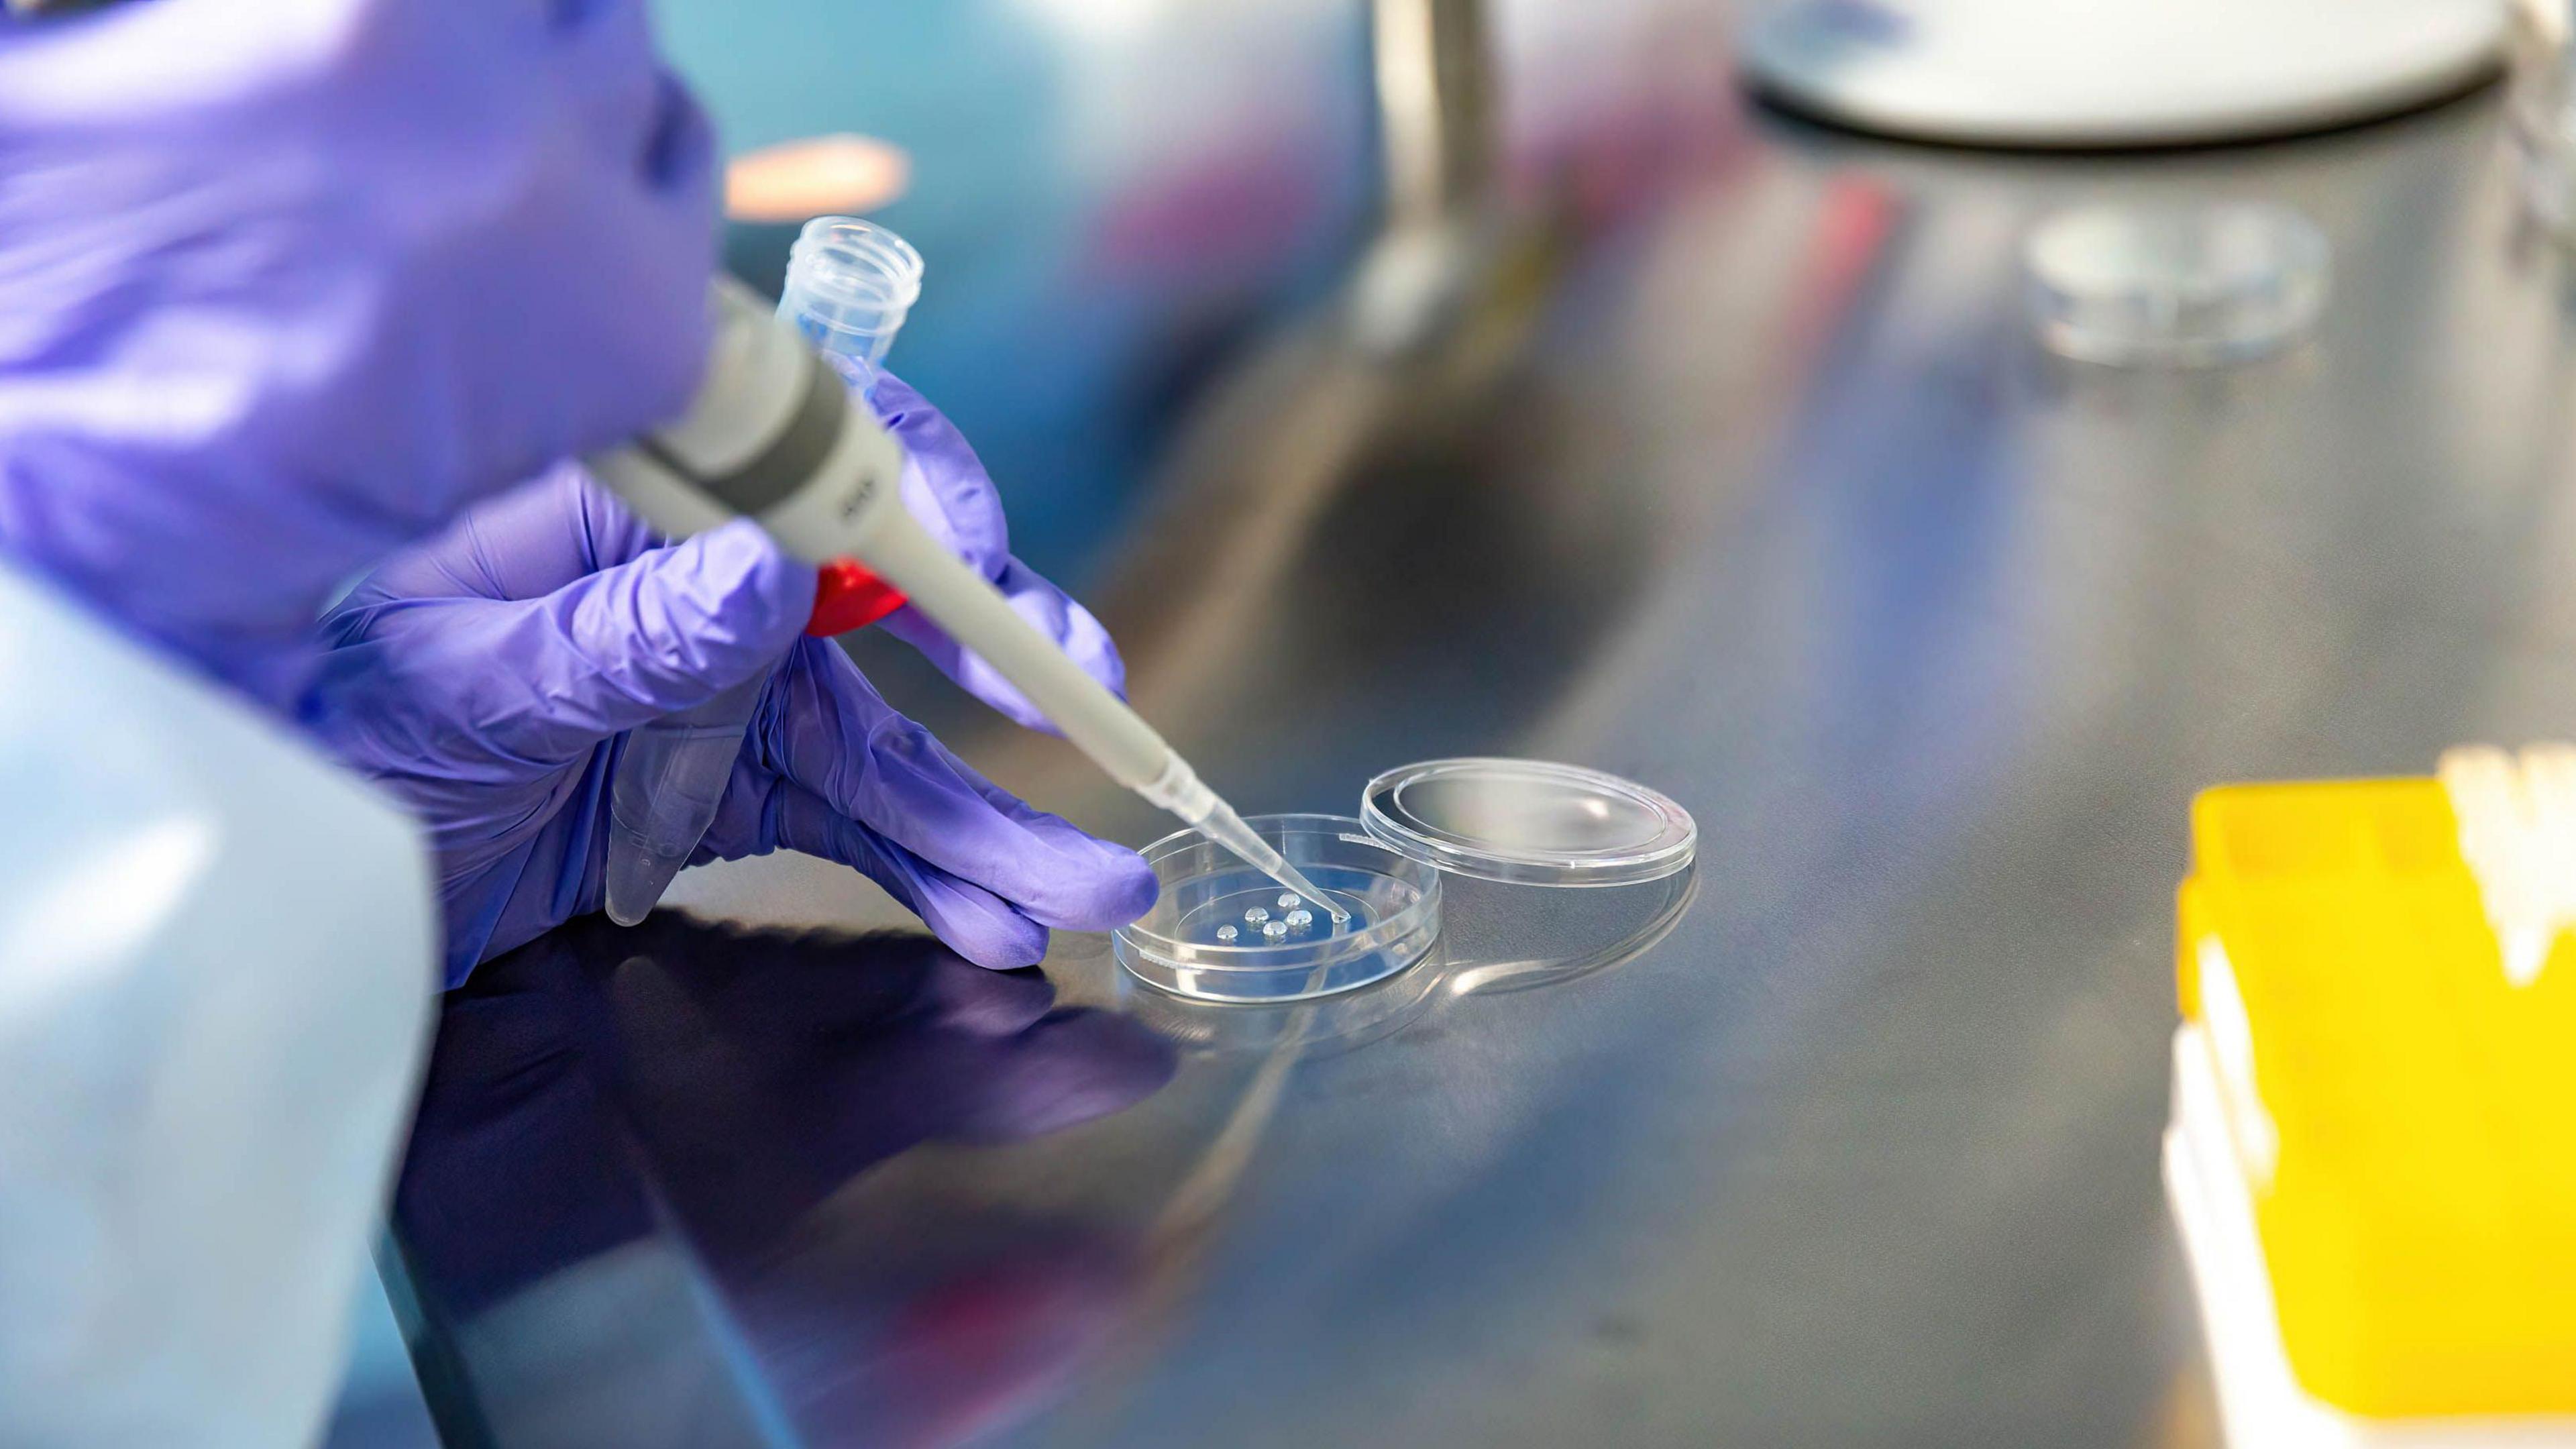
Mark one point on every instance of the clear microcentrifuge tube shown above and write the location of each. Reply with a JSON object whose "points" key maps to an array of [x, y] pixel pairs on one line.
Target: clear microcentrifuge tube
{"points": [[850, 284], [670, 778]]}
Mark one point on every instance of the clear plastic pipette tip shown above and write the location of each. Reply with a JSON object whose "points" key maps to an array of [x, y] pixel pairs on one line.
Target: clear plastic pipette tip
{"points": [[1226, 828]]}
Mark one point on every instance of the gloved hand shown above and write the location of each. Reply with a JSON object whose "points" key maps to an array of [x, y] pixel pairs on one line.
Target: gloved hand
{"points": [[486, 678], [284, 285], [946, 487]]}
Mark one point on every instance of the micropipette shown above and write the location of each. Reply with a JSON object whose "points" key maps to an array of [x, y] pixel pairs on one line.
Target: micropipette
{"points": [[772, 436]]}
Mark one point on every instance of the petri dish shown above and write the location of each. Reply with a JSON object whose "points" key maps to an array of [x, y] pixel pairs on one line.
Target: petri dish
{"points": [[1393, 901], [2175, 285], [1215, 933], [1530, 822]]}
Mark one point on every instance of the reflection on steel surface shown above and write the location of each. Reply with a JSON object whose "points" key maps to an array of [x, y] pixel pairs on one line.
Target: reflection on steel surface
{"points": [[1663, 903], [1336, 1023], [624, 1134]]}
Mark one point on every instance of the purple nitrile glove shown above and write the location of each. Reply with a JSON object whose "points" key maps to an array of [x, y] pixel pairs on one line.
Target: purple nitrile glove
{"points": [[946, 487], [486, 678], [284, 285]]}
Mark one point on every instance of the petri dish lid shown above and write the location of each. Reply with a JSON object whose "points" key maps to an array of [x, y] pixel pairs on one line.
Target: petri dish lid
{"points": [[2176, 284], [1530, 822]]}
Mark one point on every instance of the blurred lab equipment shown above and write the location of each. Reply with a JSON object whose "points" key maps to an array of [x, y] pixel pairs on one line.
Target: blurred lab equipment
{"points": [[1436, 107], [2544, 110], [772, 436], [2370, 1149], [2177, 284], [850, 284], [2093, 73], [818, 176], [215, 979], [1432, 65]]}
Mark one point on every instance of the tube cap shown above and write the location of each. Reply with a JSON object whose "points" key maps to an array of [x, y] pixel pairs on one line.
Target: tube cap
{"points": [[848, 597], [1529, 822]]}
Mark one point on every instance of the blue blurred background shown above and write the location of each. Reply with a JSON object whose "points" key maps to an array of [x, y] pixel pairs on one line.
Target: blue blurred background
{"points": [[1110, 195]]}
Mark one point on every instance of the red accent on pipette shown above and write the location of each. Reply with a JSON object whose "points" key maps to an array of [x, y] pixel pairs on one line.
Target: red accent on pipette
{"points": [[848, 597]]}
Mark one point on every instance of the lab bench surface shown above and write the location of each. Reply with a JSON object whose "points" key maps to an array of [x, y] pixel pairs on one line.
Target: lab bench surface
{"points": [[1753, 487]]}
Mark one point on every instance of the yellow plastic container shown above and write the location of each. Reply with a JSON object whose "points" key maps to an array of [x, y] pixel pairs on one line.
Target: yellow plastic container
{"points": [[2404, 1116]]}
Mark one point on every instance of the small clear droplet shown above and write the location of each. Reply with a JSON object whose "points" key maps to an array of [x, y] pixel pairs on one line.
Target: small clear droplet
{"points": [[1300, 919], [1274, 930], [1257, 914], [1290, 900], [1227, 933]]}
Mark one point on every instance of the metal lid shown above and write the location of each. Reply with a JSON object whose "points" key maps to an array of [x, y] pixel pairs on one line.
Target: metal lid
{"points": [[1529, 822]]}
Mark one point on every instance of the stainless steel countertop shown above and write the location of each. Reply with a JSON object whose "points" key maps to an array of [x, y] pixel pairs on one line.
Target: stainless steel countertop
{"points": [[1760, 495]]}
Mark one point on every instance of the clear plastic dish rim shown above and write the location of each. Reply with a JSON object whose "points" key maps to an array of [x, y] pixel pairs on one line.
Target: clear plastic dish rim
{"points": [[895, 280], [2082, 316], [1669, 854], [1423, 916]]}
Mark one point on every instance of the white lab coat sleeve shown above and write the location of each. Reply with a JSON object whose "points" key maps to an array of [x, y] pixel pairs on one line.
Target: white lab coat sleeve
{"points": [[217, 968]]}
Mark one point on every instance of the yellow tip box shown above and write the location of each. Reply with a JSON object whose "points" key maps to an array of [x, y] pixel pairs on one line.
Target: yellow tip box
{"points": [[2385, 1054]]}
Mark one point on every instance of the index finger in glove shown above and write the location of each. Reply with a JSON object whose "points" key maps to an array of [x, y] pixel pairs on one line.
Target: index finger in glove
{"points": [[974, 922], [946, 488], [553, 530], [545, 679]]}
